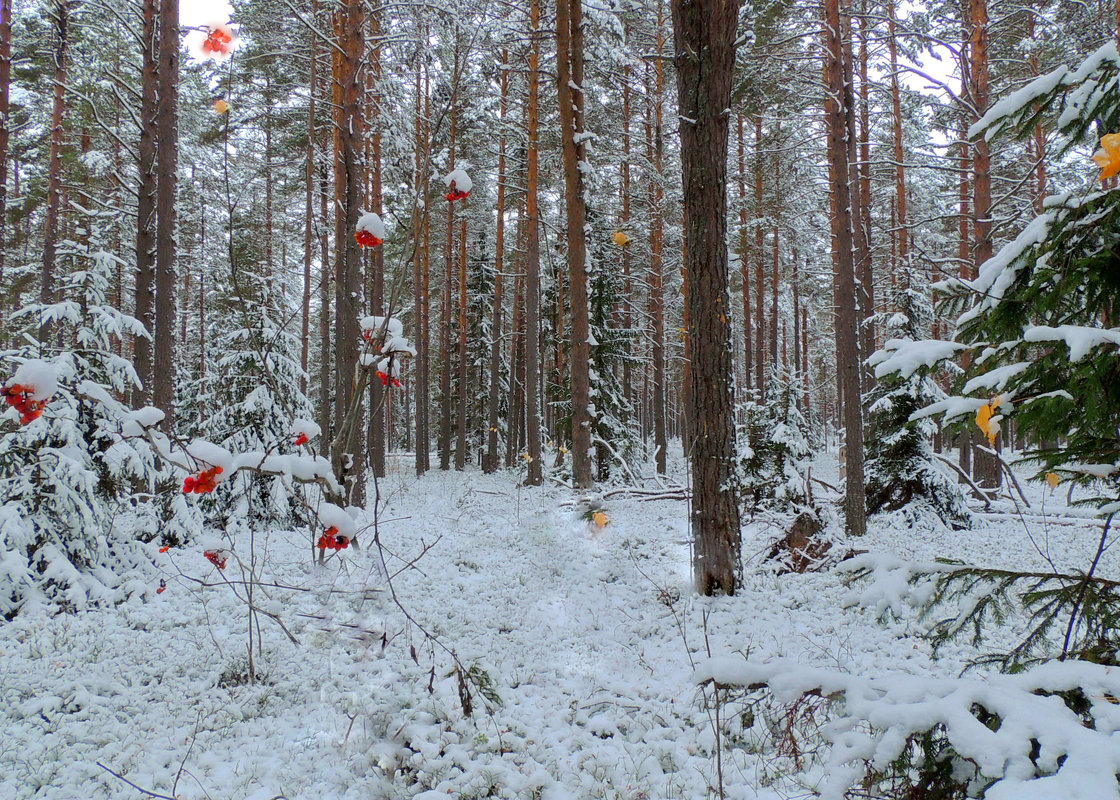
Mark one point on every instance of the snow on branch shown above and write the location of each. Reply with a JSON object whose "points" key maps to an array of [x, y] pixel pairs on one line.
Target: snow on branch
{"points": [[1011, 737], [907, 356]]}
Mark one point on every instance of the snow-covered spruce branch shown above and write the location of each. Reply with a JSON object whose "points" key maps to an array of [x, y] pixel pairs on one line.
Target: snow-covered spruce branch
{"points": [[1042, 734]]}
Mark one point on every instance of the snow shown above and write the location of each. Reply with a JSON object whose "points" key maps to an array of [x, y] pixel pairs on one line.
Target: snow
{"points": [[997, 273], [592, 640], [37, 377], [461, 180], [1015, 101], [372, 223], [1079, 339], [906, 356], [305, 427]]}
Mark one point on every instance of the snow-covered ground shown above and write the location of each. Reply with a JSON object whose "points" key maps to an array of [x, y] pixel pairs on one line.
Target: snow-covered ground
{"points": [[588, 637]]}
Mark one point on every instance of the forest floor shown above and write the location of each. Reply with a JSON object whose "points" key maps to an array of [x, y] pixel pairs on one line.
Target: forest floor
{"points": [[584, 638]]}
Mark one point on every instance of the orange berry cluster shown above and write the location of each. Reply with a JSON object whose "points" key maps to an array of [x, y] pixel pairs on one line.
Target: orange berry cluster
{"points": [[216, 558], [385, 379], [203, 482], [366, 239], [19, 397], [218, 42], [456, 194], [333, 540], [302, 440]]}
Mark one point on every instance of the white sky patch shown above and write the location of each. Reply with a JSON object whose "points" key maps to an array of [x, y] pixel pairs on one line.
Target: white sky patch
{"points": [[193, 13]]}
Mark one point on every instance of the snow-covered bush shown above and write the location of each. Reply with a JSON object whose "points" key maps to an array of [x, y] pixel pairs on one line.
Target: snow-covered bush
{"points": [[773, 454], [65, 475], [901, 471], [1045, 734]]}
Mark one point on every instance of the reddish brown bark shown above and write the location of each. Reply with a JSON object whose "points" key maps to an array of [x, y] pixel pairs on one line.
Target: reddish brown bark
{"points": [[704, 35], [838, 114], [531, 340], [569, 81]]}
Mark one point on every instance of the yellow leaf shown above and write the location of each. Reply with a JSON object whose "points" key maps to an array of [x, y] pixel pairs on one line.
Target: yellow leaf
{"points": [[984, 419], [1108, 157], [620, 238], [599, 520], [1053, 479], [221, 106]]}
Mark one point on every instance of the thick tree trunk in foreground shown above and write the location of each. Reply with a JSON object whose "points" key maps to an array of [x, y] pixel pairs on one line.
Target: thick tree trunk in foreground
{"points": [[569, 79], [838, 111], [704, 35]]}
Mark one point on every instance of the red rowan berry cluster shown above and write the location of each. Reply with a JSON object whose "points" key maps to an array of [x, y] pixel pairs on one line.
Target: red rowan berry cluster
{"points": [[19, 397], [333, 540], [203, 482], [215, 557]]}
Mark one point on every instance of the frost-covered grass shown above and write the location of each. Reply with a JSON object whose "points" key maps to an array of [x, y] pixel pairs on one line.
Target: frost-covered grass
{"points": [[588, 637]]}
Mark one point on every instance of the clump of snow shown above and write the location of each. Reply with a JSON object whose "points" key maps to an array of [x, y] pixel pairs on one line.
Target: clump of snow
{"points": [[372, 224], [38, 378], [906, 356], [461, 179], [332, 516], [1078, 338], [305, 427]]}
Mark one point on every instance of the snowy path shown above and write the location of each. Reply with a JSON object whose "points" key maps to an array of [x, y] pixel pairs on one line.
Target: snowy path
{"points": [[571, 625]]}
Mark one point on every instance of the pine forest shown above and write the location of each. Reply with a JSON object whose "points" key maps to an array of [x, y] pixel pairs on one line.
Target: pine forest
{"points": [[574, 400]]}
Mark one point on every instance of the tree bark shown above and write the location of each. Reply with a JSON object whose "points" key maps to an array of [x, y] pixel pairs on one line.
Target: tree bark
{"points": [[704, 36], [838, 112], [656, 264], [167, 173], [986, 467], [348, 453], [903, 252], [534, 474], [569, 80], [5, 132], [744, 266], [146, 204], [61, 20], [376, 279], [490, 463]]}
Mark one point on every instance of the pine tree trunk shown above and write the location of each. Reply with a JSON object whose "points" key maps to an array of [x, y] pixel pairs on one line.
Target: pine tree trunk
{"points": [[774, 302], [5, 133], [420, 282], [759, 270], [986, 466], [624, 226], [61, 20], [569, 80], [146, 204], [490, 463], [838, 112], [167, 172], [348, 452], [309, 212], [902, 251], [656, 268], [704, 35], [376, 282], [464, 379], [534, 474], [744, 266]]}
